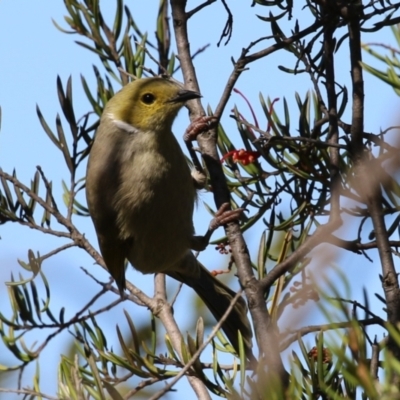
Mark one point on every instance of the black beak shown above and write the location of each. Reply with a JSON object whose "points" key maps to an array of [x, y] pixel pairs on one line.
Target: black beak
{"points": [[185, 95]]}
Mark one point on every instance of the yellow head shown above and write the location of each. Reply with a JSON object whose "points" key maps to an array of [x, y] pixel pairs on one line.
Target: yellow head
{"points": [[149, 103]]}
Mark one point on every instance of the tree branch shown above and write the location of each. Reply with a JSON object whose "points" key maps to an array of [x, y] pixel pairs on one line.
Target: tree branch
{"points": [[196, 355], [326, 327], [366, 181], [163, 310], [266, 332]]}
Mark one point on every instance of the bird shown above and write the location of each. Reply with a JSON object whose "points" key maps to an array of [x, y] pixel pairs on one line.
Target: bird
{"points": [[141, 197]]}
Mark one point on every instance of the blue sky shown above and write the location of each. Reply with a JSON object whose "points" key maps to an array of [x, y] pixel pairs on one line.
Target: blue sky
{"points": [[34, 52]]}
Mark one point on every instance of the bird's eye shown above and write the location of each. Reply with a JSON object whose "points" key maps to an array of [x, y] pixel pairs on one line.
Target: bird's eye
{"points": [[148, 98]]}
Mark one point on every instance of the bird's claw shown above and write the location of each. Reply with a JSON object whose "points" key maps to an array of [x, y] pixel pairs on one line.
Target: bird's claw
{"points": [[224, 215], [199, 125]]}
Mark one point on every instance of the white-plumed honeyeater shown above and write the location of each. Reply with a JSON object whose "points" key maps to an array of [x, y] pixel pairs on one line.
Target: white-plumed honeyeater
{"points": [[141, 196]]}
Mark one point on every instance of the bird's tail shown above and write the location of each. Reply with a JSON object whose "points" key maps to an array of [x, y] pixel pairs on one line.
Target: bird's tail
{"points": [[217, 298]]}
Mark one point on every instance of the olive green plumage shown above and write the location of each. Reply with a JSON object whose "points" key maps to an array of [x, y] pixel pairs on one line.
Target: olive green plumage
{"points": [[141, 195]]}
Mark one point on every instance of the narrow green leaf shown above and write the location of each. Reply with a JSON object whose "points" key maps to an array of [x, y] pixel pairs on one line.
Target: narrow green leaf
{"points": [[46, 128], [95, 372], [64, 145], [35, 298], [171, 351], [134, 334], [114, 394], [199, 332], [118, 19], [124, 347], [7, 192]]}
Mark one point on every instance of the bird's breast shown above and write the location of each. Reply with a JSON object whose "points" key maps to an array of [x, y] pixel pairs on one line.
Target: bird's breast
{"points": [[155, 204]]}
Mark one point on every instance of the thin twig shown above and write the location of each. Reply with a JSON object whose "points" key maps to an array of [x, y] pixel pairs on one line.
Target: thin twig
{"points": [[373, 368], [161, 67], [196, 355], [195, 10], [290, 262], [295, 335], [163, 310], [279, 139], [142, 385], [29, 392], [333, 129], [57, 250], [74, 321], [172, 302]]}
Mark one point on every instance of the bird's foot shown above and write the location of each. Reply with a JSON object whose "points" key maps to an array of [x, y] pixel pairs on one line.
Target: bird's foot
{"points": [[223, 216], [199, 125]]}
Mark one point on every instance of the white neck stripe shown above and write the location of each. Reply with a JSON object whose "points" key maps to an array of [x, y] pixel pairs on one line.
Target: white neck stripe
{"points": [[123, 125]]}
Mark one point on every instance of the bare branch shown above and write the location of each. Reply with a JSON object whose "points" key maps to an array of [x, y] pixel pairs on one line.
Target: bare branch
{"points": [[28, 392], [163, 310], [295, 335], [195, 10], [196, 355]]}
